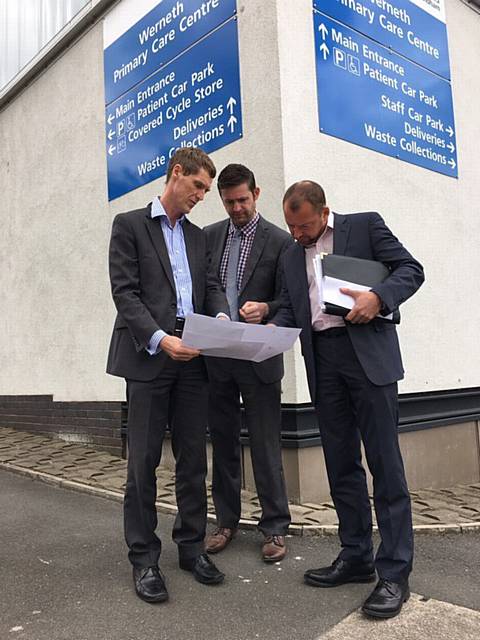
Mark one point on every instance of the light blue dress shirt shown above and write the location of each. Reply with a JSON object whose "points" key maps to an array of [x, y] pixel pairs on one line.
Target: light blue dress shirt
{"points": [[177, 253]]}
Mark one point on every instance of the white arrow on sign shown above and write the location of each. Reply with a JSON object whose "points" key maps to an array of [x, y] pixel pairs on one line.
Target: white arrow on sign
{"points": [[325, 50], [451, 146], [323, 30], [231, 123], [452, 163], [111, 149], [110, 134], [450, 131], [231, 103], [110, 118]]}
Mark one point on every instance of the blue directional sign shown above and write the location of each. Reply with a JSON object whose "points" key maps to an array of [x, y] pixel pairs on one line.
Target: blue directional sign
{"points": [[171, 27], [375, 98], [193, 101], [398, 24]]}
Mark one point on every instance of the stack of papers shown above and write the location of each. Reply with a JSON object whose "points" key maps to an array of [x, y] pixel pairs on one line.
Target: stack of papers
{"points": [[333, 272], [239, 340]]}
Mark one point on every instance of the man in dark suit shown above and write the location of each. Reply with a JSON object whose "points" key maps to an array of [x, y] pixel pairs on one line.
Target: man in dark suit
{"points": [[244, 251], [353, 366], [158, 273]]}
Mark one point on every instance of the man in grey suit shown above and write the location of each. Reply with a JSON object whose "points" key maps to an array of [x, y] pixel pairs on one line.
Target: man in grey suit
{"points": [[158, 274], [245, 251], [353, 365]]}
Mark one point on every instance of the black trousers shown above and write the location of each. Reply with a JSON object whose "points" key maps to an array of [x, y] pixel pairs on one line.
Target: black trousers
{"points": [[351, 409], [263, 420], [178, 397]]}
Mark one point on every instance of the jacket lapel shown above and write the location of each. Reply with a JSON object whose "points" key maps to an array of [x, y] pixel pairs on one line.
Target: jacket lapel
{"points": [[154, 228], [192, 255], [219, 241], [298, 285], [341, 231], [258, 245]]}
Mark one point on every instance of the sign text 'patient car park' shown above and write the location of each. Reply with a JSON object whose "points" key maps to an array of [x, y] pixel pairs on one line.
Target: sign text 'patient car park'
{"points": [[171, 81], [383, 78]]}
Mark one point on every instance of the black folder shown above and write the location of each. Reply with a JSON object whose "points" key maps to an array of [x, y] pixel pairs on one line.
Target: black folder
{"points": [[357, 271]]}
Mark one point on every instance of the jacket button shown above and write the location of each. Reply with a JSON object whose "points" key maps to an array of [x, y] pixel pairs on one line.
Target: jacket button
{"points": [[173, 305]]}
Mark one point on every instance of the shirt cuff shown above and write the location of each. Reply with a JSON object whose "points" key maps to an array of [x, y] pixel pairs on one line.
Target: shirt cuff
{"points": [[222, 315], [153, 346]]}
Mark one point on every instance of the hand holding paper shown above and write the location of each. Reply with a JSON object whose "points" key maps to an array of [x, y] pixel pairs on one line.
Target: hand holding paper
{"points": [[366, 306], [344, 287], [175, 348]]}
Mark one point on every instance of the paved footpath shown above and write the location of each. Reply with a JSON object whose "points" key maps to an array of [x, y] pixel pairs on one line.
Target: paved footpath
{"points": [[65, 576], [453, 509]]}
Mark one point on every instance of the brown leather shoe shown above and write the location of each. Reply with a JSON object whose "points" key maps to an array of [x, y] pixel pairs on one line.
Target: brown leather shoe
{"points": [[219, 539], [274, 548]]}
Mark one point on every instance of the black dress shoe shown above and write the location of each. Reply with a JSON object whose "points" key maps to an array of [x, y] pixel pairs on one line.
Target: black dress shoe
{"points": [[386, 599], [340, 572], [150, 584], [203, 569]]}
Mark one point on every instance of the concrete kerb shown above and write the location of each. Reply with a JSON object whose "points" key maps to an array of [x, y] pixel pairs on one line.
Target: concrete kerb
{"points": [[164, 507]]}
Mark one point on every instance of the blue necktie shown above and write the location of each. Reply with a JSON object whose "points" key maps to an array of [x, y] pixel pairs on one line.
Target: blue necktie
{"points": [[231, 280]]}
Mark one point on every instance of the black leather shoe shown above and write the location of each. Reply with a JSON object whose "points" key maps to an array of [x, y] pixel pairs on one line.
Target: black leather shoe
{"points": [[340, 572], [203, 569], [150, 584], [386, 599]]}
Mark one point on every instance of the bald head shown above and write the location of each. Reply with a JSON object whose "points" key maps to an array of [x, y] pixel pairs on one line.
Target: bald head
{"points": [[304, 191]]}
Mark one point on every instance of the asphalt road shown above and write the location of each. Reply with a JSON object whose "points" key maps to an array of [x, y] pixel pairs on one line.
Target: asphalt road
{"points": [[65, 576]]}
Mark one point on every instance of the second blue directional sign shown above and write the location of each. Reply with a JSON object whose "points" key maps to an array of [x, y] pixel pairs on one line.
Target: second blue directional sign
{"points": [[373, 97], [194, 101], [414, 28]]}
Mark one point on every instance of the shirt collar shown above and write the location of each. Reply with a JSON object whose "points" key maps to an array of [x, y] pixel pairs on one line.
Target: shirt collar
{"points": [[158, 210], [329, 227], [248, 229]]}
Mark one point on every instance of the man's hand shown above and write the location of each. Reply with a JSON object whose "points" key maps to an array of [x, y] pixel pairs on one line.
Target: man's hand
{"points": [[367, 306], [254, 312], [174, 348]]}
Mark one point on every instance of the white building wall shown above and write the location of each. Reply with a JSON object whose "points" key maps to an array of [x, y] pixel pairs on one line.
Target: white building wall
{"points": [[435, 216], [56, 309]]}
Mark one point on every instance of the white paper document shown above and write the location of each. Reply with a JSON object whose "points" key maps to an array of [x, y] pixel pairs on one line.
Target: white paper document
{"points": [[329, 290], [333, 295], [239, 340]]}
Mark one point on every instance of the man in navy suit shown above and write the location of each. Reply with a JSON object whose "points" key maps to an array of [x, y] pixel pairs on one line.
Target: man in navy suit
{"points": [[353, 365]]}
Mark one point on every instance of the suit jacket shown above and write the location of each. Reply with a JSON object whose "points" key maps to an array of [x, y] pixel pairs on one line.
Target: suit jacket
{"points": [[144, 292], [261, 280], [360, 235]]}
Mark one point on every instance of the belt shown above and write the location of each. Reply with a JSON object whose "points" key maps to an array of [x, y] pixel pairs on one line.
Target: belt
{"points": [[333, 332], [178, 329]]}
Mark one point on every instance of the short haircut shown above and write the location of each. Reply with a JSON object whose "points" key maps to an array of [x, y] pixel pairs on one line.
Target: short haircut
{"points": [[305, 191], [234, 175], [191, 159]]}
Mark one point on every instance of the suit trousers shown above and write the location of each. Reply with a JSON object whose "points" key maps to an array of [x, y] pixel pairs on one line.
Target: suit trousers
{"points": [[351, 409], [263, 420], [178, 397]]}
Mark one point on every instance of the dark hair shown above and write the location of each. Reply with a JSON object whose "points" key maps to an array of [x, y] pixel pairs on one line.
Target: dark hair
{"points": [[234, 175], [191, 159], [305, 191]]}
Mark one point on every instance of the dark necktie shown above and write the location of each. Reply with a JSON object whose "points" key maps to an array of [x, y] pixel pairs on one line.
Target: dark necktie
{"points": [[231, 280]]}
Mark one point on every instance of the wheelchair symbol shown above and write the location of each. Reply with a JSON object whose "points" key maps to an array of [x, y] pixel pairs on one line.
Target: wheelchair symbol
{"points": [[353, 65]]}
